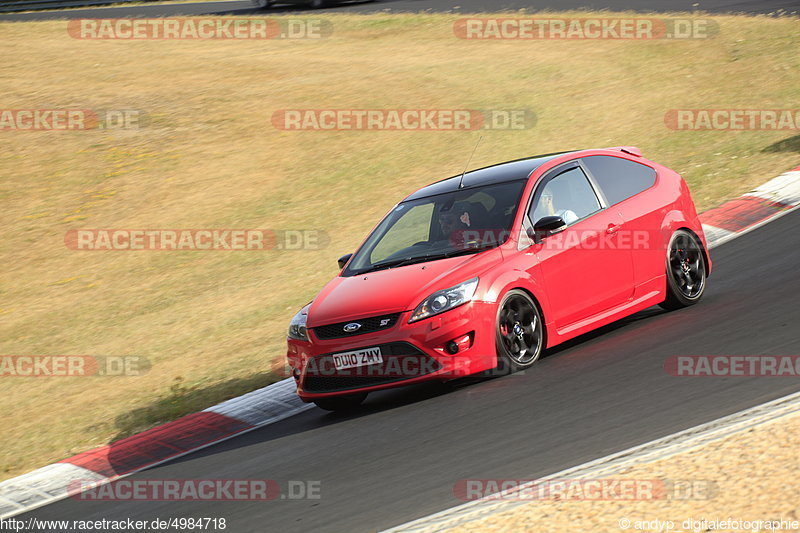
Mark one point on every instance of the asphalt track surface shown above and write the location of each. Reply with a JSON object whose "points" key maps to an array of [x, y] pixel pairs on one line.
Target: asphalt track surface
{"points": [[398, 458], [244, 7]]}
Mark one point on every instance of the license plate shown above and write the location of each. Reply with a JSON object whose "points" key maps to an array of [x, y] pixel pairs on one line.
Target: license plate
{"points": [[365, 357]]}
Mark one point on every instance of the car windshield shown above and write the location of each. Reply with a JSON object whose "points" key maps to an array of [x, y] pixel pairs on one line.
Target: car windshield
{"points": [[449, 224]]}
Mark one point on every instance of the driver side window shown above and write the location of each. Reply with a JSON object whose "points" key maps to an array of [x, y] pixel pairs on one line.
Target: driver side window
{"points": [[568, 195]]}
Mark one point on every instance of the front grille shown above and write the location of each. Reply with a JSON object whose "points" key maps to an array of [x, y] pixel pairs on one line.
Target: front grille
{"points": [[368, 325], [401, 361]]}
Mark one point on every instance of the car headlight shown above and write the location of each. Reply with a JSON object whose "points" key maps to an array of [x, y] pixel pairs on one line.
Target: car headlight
{"points": [[441, 301], [297, 327]]}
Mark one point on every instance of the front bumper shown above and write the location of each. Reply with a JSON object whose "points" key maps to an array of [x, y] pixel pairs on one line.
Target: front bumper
{"points": [[412, 353]]}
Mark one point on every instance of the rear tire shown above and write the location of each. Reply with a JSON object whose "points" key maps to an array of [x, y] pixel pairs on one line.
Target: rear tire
{"points": [[686, 271], [519, 332], [341, 403]]}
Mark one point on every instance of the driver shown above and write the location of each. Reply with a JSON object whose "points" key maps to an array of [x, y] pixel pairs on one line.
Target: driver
{"points": [[549, 209], [456, 224]]}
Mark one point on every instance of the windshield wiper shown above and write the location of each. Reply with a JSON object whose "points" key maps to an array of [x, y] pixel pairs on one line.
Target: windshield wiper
{"points": [[423, 258], [393, 263]]}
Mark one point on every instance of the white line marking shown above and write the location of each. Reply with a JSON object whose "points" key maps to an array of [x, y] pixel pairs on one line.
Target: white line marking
{"points": [[613, 464]]}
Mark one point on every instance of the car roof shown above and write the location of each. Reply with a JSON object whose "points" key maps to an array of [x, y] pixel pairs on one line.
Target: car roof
{"points": [[518, 169]]}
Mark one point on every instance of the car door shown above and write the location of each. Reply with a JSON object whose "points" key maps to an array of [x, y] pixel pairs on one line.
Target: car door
{"points": [[585, 271]]}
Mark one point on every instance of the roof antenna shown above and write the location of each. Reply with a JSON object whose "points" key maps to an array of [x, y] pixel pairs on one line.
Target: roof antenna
{"points": [[461, 181]]}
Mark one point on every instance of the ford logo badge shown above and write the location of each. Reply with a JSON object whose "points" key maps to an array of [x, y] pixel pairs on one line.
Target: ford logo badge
{"points": [[351, 327]]}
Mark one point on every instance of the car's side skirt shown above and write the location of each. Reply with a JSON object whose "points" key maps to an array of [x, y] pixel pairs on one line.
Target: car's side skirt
{"points": [[648, 299]]}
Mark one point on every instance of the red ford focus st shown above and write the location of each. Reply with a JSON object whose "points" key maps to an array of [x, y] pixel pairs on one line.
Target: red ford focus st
{"points": [[483, 271]]}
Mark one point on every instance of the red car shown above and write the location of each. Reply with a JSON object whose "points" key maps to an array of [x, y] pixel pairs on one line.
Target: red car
{"points": [[483, 271]]}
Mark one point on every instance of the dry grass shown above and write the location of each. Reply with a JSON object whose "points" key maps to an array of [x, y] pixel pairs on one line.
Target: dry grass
{"points": [[212, 323]]}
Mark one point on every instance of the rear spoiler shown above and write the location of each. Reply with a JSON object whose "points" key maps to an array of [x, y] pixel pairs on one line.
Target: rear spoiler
{"points": [[632, 150]]}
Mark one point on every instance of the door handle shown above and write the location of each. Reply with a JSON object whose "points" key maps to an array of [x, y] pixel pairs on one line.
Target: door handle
{"points": [[612, 228]]}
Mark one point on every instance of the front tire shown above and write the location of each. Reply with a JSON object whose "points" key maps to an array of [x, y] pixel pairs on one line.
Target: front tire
{"points": [[263, 4], [341, 403], [686, 271], [519, 332]]}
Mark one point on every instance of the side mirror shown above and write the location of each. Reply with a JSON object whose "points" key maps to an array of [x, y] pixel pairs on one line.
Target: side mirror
{"points": [[547, 226], [343, 260]]}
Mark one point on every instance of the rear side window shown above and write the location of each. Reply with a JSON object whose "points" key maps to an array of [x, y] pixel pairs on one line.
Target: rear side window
{"points": [[618, 178]]}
